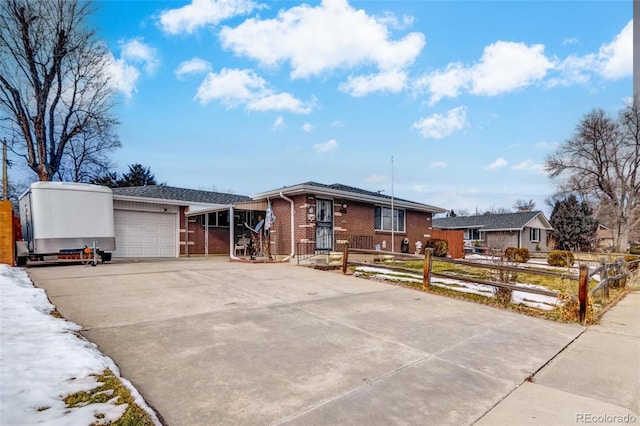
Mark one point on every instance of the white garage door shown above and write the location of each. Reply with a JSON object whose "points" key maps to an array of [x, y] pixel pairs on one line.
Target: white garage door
{"points": [[145, 234]]}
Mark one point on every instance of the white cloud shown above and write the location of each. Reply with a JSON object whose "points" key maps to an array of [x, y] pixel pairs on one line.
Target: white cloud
{"points": [[337, 124], [504, 67], [300, 37], [388, 81], [507, 66], [497, 164], [308, 127], [392, 21], [193, 67], [573, 70], [570, 40], [279, 123], [279, 102], [376, 179], [123, 71], [616, 58], [330, 145], [235, 87], [123, 76], [438, 165], [546, 145], [438, 126], [529, 165], [136, 51], [448, 83], [200, 13]]}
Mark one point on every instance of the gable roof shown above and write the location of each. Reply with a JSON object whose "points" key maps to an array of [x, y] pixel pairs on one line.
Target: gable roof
{"points": [[492, 222], [161, 192], [347, 192]]}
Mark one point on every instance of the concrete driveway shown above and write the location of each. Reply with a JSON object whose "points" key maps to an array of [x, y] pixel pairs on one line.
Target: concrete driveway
{"points": [[212, 342]]}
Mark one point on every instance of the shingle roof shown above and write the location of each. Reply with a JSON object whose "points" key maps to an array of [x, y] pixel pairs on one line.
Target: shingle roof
{"points": [[499, 221], [179, 194], [347, 188]]}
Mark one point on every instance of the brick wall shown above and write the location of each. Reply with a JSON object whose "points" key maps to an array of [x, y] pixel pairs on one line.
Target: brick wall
{"points": [[218, 237], [356, 219], [7, 236]]}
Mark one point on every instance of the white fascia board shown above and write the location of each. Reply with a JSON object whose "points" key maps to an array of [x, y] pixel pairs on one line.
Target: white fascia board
{"points": [[195, 210]]}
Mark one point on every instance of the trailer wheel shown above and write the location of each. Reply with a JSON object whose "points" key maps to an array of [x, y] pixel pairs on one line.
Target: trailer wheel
{"points": [[22, 261]]}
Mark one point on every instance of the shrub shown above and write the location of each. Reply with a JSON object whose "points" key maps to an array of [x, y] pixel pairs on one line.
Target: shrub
{"points": [[440, 247], [562, 258], [517, 255]]}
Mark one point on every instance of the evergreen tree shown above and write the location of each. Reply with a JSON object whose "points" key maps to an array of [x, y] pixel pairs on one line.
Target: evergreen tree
{"points": [[138, 176], [573, 224]]}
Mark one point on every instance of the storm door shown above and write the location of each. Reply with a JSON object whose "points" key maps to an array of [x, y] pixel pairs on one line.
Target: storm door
{"points": [[324, 224]]}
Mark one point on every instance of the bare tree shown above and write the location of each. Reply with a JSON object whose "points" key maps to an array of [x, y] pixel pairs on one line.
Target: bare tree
{"points": [[523, 205], [602, 160], [54, 84], [86, 157]]}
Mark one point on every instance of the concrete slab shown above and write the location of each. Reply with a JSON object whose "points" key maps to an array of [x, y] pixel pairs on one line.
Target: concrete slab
{"points": [[599, 365], [234, 343], [538, 405]]}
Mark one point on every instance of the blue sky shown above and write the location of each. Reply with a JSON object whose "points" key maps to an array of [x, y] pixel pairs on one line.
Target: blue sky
{"points": [[467, 96]]}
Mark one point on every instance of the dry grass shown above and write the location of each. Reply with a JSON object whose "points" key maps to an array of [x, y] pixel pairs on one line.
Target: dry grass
{"points": [[111, 387]]}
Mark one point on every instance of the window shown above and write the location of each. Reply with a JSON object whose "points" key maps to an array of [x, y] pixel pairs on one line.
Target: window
{"points": [[534, 235], [216, 219], [383, 219], [471, 234]]}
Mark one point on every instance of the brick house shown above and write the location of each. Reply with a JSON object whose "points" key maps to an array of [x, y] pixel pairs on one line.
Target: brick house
{"points": [[169, 222], [312, 217]]}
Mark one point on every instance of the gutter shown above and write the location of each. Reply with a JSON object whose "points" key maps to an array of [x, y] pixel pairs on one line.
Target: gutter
{"points": [[293, 235]]}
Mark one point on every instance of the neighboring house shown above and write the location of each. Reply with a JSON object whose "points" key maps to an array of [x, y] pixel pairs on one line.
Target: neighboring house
{"points": [[604, 237], [529, 229], [309, 217]]}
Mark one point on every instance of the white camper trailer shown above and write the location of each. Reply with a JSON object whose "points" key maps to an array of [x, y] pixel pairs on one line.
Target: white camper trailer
{"points": [[62, 218]]}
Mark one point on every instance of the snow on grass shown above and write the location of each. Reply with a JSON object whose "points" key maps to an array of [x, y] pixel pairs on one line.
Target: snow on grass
{"points": [[43, 359], [517, 297]]}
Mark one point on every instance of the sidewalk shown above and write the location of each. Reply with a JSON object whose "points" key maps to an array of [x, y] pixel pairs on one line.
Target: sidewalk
{"points": [[595, 380]]}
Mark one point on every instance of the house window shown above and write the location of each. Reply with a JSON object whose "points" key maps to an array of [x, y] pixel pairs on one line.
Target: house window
{"points": [[471, 234], [534, 235], [383, 219], [216, 219]]}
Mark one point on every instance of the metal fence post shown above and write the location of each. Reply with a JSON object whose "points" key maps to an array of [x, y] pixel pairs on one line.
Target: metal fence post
{"points": [[582, 292], [426, 275]]}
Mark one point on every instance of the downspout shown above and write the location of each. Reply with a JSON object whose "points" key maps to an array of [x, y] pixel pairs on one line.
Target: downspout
{"points": [[232, 240], [206, 235], [293, 234]]}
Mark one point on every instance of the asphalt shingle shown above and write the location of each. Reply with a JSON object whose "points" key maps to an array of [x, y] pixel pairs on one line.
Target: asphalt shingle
{"points": [[180, 194], [487, 221]]}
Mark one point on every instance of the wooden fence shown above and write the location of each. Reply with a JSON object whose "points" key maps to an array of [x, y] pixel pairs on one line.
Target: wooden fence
{"points": [[455, 241], [582, 278]]}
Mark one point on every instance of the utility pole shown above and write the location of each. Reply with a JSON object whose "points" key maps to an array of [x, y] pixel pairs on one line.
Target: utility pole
{"points": [[392, 212], [5, 176]]}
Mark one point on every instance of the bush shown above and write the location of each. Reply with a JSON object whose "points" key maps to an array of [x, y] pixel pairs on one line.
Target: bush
{"points": [[517, 255], [635, 249], [562, 258], [440, 247]]}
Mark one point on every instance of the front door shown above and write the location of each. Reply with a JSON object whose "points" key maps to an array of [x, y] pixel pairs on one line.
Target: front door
{"points": [[324, 224]]}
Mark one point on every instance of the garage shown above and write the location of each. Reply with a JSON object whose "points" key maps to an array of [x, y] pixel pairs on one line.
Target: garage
{"points": [[145, 234]]}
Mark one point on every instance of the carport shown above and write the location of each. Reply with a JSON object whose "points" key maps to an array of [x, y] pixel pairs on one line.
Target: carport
{"points": [[237, 217]]}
